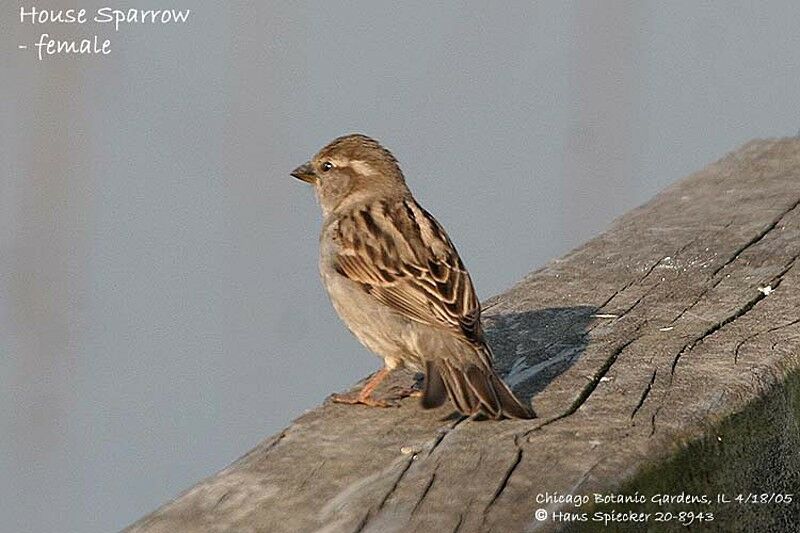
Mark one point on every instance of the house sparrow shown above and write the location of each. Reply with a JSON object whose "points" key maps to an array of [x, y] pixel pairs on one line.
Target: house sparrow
{"points": [[397, 282]]}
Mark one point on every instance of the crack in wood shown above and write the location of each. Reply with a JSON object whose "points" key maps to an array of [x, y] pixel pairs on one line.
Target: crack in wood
{"points": [[266, 449], [396, 482], [645, 393], [639, 300], [653, 421], [689, 346], [752, 242], [779, 341], [625, 311], [696, 301], [746, 308], [649, 291], [311, 475], [375, 510], [788, 267], [222, 498], [426, 490], [639, 281], [444, 433], [631, 283], [460, 521], [756, 239], [589, 388], [649, 271], [363, 523], [436, 443], [506, 477], [758, 333]]}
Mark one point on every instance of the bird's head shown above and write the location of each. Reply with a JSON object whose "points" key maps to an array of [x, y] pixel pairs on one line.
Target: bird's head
{"points": [[351, 169]]}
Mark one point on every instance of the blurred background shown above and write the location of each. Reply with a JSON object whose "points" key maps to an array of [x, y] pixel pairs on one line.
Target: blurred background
{"points": [[160, 307]]}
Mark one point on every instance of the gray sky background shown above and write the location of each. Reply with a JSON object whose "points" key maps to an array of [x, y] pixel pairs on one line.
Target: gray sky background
{"points": [[160, 308]]}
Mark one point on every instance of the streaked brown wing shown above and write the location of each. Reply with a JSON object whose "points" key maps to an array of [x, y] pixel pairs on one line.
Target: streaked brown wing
{"points": [[401, 255]]}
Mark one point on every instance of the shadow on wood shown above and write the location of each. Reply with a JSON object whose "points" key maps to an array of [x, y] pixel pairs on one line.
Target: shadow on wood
{"points": [[532, 348]]}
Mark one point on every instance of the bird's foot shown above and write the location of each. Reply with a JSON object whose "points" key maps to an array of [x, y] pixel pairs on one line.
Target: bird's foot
{"points": [[360, 399]]}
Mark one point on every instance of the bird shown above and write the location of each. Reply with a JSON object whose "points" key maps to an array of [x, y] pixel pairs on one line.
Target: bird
{"points": [[395, 279]]}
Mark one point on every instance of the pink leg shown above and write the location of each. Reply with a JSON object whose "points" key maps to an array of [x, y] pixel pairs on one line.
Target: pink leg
{"points": [[364, 397]]}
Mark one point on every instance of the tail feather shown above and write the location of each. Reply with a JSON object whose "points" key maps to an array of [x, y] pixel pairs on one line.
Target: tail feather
{"points": [[484, 390], [472, 388], [434, 391], [459, 404], [512, 407], [461, 394]]}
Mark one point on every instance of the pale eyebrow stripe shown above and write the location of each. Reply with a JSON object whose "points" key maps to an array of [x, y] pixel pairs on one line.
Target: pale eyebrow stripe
{"points": [[362, 167], [337, 162]]}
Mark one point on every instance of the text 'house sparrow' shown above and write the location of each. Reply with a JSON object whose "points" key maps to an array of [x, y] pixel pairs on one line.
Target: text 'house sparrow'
{"points": [[397, 282]]}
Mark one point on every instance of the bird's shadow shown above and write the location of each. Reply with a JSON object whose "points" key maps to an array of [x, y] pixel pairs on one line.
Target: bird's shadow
{"points": [[533, 348]]}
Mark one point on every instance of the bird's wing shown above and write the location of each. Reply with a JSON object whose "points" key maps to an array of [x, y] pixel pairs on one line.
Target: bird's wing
{"points": [[402, 256]]}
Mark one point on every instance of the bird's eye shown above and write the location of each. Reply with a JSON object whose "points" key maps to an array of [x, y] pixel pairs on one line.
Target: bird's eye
{"points": [[326, 166]]}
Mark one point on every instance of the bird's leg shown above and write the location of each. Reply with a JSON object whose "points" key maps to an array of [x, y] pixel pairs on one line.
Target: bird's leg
{"points": [[373, 383], [364, 396]]}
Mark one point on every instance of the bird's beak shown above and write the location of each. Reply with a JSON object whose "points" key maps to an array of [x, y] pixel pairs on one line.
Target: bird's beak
{"points": [[305, 172]]}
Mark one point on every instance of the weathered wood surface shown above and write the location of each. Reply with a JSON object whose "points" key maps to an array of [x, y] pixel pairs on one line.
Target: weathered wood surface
{"points": [[683, 313]]}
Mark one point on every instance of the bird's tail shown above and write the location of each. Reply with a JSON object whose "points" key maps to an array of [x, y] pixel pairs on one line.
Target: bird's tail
{"points": [[472, 386]]}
